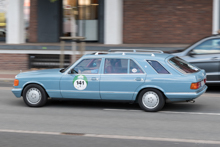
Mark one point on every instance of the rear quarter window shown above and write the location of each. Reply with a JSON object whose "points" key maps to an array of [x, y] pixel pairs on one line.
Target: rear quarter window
{"points": [[158, 67]]}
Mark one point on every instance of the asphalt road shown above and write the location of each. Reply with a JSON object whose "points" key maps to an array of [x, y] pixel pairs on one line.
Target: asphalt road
{"points": [[92, 123]]}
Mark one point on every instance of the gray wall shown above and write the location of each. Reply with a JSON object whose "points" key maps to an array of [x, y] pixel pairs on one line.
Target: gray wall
{"points": [[49, 20]]}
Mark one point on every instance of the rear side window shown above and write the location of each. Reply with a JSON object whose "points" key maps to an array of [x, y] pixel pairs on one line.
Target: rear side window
{"points": [[134, 68], [116, 66], [182, 65], [158, 67]]}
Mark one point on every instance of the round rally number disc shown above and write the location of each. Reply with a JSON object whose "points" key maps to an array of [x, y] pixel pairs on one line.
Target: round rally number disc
{"points": [[80, 82]]}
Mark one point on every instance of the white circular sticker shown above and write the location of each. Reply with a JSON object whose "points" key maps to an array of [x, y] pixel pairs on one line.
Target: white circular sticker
{"points": [[134, 70], [80, 84]]}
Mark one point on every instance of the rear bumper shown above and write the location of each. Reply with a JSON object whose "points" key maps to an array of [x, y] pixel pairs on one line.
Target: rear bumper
{"points": [[17, 92], [185, 96]]}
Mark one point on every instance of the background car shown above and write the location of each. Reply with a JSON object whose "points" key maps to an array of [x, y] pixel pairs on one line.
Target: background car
{"points": [[204, 54], [149, 79]]}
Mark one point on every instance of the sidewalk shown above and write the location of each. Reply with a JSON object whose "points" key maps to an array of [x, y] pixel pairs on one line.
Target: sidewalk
{"points": [[90, 46]]}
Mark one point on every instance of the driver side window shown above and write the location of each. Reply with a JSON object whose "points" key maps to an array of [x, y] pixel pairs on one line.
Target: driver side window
{"points": [[88, 66], [211, 46]]}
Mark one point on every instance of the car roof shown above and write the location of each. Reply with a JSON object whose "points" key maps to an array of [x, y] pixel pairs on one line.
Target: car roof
{"points": [[138, 55]]}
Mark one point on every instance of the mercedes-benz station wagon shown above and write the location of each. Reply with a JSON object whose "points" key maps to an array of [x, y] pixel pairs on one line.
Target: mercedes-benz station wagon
{"points": [[150, 78]]}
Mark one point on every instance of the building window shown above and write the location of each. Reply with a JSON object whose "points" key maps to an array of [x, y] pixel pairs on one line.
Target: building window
{"points": [[85, 16]]}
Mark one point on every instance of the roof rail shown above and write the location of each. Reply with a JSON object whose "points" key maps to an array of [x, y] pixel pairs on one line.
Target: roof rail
{"points": [[127, 51], [98, 53], [135, 50]]}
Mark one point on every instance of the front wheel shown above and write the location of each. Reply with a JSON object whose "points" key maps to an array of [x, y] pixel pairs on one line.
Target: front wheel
{"points": [[34, 96], [151, 100]]}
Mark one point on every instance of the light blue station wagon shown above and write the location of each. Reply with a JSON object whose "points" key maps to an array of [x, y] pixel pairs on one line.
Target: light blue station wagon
{"points": [[149, 78]]}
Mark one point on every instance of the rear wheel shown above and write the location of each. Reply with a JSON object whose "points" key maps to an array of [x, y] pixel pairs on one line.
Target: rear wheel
{"points": [[151, 100], [34, 96]]}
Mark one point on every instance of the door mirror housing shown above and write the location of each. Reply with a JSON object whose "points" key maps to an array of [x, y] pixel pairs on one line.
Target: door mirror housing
{"points": [[192, 53]]}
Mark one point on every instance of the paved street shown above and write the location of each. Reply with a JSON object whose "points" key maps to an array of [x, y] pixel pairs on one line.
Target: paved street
{"points": [[90, 123]]}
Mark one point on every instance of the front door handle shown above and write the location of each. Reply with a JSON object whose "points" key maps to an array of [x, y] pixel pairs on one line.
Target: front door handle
{"points": [[94, 79], [138, 79]]}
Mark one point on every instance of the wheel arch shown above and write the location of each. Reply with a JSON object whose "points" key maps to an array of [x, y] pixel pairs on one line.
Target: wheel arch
{"points": [[29, 83], [149, 87]]}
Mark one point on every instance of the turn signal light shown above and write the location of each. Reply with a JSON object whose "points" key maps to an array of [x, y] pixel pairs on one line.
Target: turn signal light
{"points": [[195, 85], [16, 82]]}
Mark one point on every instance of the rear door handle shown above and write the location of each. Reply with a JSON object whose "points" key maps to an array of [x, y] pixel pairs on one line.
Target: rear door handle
{"points": [[138, 79], [94, 79]]}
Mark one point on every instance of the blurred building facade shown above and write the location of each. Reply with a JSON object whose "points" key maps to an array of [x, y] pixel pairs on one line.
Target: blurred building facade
{"points": [[115, 21]]}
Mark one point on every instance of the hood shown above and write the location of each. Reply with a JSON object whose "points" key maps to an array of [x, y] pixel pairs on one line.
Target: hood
{"points": [[39, 72], [178, 54]]}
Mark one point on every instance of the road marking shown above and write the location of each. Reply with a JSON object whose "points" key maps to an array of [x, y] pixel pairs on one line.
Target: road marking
{"points": [[29, 132], [172, 112], [192, 113], [117, 137], [121, 110], [154, 139]]}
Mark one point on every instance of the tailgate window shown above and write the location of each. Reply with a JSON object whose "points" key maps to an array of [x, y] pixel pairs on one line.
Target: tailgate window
{"points": [[182, 65]]}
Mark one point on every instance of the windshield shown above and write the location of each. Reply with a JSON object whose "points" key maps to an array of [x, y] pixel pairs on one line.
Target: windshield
{"points": [[193, 43], [182, 65]]}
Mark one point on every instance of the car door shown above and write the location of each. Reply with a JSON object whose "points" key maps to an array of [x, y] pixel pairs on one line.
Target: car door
{"points": [[82, 82], [120, 79], [207, 56]]}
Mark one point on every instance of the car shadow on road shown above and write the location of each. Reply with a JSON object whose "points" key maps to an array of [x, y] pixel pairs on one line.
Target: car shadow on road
{"points": [[92, 104], [183, 107], [180, 106]]}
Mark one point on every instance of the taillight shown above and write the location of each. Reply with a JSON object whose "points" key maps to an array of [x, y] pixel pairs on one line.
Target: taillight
{"points": [[16, 82], [195, 85], [205, 80]]}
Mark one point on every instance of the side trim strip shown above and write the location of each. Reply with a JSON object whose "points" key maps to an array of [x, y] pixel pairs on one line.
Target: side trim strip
{"points": [[82, 91], [16, 89], [180, 93], [116, 92], [212, 73], [53, 90], [78, 91], [212, 81]]}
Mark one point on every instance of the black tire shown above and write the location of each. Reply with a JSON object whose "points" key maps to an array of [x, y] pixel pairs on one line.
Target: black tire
{"points": [[151, 100], [34, 96]]}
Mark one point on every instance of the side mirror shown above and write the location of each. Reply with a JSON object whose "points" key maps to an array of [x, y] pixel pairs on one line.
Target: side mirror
{"points": [[192, 53], [61, 69]]}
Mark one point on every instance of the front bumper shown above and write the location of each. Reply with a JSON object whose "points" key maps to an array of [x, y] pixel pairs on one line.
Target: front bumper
{"points": [[17, 92], [185, 96]]}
